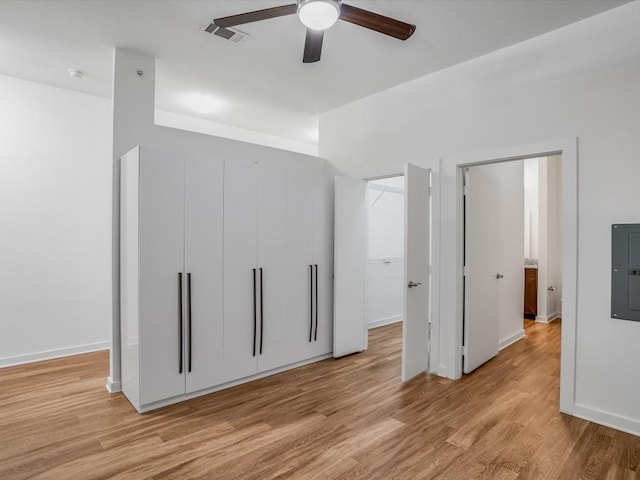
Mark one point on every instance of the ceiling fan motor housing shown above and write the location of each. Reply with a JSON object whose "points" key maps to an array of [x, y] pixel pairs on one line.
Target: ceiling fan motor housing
{"points": [[319, 14]]}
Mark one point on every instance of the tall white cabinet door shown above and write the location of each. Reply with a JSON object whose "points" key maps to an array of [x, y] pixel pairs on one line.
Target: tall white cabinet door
{"points": [[161, 236], [323, 261], [241, 274], [203, 269], [274, 343], [300, 264], [349, 325]]}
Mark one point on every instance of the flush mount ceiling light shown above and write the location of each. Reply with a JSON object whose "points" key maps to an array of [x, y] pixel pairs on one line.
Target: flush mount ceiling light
{"points": [[204, 104], [318, 14]]}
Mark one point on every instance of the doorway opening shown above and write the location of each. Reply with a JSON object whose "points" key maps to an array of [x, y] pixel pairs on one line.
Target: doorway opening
{"points": [[385, 262], [543, 239], [403, 232], [512, 253], [385, 251]]}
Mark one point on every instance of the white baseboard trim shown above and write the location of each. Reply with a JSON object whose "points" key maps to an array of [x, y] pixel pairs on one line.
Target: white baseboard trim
{"points": [[444, 372], [50, 354], [511, 340], [549, 318], [113, 386], [180, 398], [384, 321], [616, 422]]}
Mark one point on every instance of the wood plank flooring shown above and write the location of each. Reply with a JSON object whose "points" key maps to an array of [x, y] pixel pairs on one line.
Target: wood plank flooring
{"points": [[339, 419]]}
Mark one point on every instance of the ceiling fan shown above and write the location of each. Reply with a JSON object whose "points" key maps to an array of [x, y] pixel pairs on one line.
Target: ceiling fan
{"points": [[319, 15]]}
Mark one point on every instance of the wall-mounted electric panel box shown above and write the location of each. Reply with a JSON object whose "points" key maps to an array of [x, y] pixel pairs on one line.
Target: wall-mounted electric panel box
{"points": [[625, 271]]}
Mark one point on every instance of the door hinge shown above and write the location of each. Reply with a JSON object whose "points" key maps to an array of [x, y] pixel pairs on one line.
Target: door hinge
{"points": [[465, 271], [465, 182], [465, 351]]}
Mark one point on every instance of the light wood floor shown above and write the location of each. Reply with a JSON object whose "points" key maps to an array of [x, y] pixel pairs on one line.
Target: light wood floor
{"points": [[339, 419]]}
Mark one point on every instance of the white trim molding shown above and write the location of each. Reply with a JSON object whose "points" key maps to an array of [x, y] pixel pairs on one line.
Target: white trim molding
{"points": [[112, 386], [510, 340], [607, 419], [52, 354], [549, 318], [381, 322], [188, 396]]}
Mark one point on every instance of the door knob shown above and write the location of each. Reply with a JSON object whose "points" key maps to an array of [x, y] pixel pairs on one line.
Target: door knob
{"points": [[499, 276], [413, 284]]}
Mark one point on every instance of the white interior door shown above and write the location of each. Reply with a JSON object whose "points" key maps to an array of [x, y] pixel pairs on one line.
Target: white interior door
{"points": [[510, 259], [417, 235], [481, 257], [349, 328]]}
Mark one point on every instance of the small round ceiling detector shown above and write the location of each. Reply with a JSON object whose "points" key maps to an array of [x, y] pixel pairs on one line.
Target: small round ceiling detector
{"points": [[75, 73]]}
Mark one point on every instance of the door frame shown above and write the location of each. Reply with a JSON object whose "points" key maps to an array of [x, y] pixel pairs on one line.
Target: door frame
{"points": [[433, 345], [451, 253]]}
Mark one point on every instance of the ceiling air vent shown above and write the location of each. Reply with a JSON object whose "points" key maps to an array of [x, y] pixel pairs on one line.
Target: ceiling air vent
{"points": [[231, 34]]}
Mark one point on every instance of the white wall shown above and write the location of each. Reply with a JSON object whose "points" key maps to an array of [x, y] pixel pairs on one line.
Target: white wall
{"points": [[385, 269], [580, 81], [193, 124], [55, 214]]}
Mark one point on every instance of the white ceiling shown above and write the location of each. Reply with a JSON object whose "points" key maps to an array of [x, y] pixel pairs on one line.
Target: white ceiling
{"points": [[263, 81]]}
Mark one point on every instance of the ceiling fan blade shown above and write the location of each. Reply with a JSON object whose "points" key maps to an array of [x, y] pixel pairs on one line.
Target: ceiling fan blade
{"points": [[256, 16], [313, 46], [374, 21]]}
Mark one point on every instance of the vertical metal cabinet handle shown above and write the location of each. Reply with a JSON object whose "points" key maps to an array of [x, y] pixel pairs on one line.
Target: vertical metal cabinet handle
{"points": [[310, 302], [189, 319], [315, 335], [261, 312], [180, 319], [255, 312]]}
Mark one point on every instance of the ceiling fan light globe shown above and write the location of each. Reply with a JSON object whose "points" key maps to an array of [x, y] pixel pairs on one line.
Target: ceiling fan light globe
{"points": [[318, 14]]}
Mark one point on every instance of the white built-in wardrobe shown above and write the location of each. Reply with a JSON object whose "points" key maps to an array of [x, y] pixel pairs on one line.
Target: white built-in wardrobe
{"points": [[226, 271]]}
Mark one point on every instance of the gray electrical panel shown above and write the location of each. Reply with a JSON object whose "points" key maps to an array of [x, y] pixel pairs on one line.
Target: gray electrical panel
{"points": [[625, 271]]}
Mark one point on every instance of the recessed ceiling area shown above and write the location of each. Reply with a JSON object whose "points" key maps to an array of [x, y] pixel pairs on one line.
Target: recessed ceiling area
{"points": [[262, 81]]}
